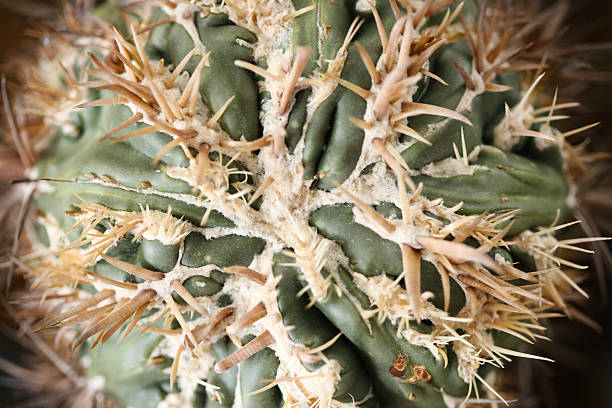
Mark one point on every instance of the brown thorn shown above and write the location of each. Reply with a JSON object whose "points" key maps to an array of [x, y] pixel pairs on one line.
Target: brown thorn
{"points": [[193, 98], [394, 38], [408, 131], [116, 100], [133, 269], [447, 22], [360, 123], [115, 327], [151, 27], [299, 12], [405, 47], [414, 109], [464, 74], [444, 277], [188, 297], [579, 130], [411, 262], [136, 133], [187, 92], [302, 55], [268, 181], [256, 70], [365, 94], [132, 69], [240, 145], [89, 302], [380, 27], [86, 315], [132, 97], [369, 64], [495, 68], [179, 317], [137, 315], [161, 101], [382, 221], [175, 365], [422, 12], [491, 87], [247, 273], [393, 162], [256, 313], [259, 343], [141, 53], [71, 79], [433, 76], [104, 72], [201, 332], [123, 285], [179, 68], [477, 284], [480, 35], [157, 319], [215, 118], [156, 330], [473, 47], [165, 150], [171, 130], [119, 313], [458, 253], [425, 55], [396, 11], [134, 119]]}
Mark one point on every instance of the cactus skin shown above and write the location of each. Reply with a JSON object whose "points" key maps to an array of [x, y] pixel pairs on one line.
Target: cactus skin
{"points": [[122, 364], [284, 227]]}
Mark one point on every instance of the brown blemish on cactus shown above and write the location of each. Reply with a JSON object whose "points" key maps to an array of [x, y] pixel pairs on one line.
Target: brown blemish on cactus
{"points": [[418, 373], [399, 364]]}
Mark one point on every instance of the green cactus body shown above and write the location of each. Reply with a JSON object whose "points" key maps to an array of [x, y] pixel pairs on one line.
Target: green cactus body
{"points": [[324, 227]]}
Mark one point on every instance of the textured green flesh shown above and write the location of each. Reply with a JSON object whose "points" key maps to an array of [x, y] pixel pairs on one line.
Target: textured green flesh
{"points": [[512, 182], [332, 144], [380, 347], [485, 110], [221, 79], [313, 330], [224, 251], [371, 255], [255, 373], [226, 381], [127, 376], [199, 285]]}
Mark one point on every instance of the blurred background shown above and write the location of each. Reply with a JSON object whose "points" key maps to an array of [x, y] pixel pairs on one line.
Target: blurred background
{"points": [[582, 347]]}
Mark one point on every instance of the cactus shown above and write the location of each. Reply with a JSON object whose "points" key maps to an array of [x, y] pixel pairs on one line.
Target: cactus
{"points": [[296, 203]]}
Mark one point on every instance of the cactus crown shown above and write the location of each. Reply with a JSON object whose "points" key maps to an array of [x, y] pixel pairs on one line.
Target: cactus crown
{"points": [[330, 203]]}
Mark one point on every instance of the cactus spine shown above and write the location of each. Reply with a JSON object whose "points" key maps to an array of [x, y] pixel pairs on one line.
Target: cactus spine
{"points": [[329, 203]]}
